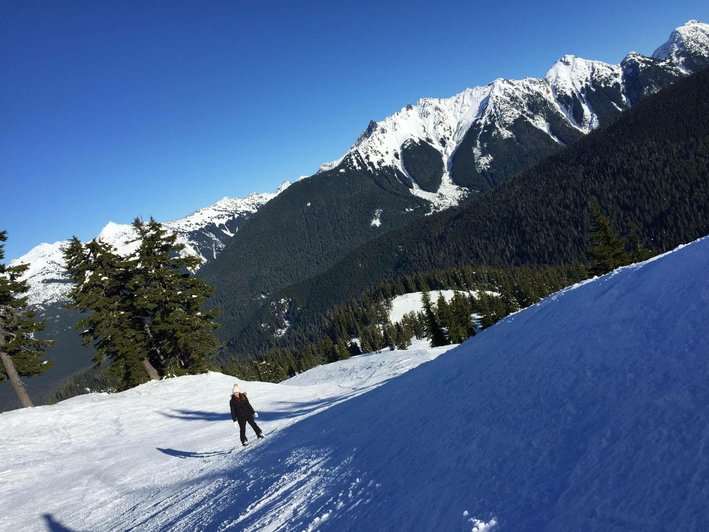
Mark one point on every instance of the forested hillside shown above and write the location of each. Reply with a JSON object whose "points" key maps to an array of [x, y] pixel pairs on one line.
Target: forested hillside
{"points": [[429, 156], [650, 167]]}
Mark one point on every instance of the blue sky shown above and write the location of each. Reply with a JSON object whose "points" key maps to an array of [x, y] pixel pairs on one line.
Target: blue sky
{"points": [[115, 109]]}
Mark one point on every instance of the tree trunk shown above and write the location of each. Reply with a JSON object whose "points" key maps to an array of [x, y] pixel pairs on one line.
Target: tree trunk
{"points": [[14, 377], [151, 371]]}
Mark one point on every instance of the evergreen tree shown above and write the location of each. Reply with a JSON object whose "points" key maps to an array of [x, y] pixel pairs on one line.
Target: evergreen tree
{"points": [[435, 331], [168, 300], [342, 352], [101, 277], [144, 311], [443, 313], [21, 353], [402, 337], [637, 252], [388, 336], [461, 326], [607, 246]]}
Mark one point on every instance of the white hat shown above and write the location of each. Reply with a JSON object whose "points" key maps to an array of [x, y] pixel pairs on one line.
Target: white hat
{"points": [[235, 389]]}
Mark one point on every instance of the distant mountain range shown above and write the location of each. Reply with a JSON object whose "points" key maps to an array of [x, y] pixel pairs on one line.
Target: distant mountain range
{"points": [[428, 157], [441, 148], [649, 168]]}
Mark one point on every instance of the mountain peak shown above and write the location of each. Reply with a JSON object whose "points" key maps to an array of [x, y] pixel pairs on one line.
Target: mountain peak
{"points": [[686, 44]]}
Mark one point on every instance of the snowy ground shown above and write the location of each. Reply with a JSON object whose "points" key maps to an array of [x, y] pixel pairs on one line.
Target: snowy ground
{"points": [[143, 458], [588, 411], [413, 302]]}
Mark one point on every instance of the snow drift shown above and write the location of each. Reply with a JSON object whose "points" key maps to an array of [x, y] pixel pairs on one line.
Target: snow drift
{"points": [[587, 411]]}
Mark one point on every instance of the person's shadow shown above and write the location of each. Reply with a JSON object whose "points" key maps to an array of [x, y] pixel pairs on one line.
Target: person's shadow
{"points": [[191, 454], [198, 415], [55, 526]]}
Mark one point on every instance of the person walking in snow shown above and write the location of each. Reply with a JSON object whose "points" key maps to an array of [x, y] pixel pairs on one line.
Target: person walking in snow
{"points": [[241, 413]]}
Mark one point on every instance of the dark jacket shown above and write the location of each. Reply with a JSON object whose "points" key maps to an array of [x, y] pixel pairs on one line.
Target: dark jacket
{"points": [[241, 410]]}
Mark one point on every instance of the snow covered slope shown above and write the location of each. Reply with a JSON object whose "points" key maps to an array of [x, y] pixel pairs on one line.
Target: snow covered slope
{"points": [[204, 234], [89, 460], [587, 411]]}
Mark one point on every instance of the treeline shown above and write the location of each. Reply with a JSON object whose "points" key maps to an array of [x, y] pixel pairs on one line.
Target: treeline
{"points": [[482, 296]]}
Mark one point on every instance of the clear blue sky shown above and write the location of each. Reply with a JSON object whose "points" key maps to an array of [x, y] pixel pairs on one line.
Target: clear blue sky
{"points": [[113, 109]]}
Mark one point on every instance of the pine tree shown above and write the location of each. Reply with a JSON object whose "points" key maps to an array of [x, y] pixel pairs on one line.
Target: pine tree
{"points": [[144, 311], [637, 252], [443, 313], [607, 246], [100, 277], [341, 350], [168, 300], [388, 336], [461, 326], [21, 353], [435, 331]]}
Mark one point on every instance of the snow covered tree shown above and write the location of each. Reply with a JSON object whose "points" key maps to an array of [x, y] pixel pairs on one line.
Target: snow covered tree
{"points": [[21, 353]]}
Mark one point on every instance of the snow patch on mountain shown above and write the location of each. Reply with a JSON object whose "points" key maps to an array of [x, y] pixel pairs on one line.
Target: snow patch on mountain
{"points": [[377, 220], [413, 301]]}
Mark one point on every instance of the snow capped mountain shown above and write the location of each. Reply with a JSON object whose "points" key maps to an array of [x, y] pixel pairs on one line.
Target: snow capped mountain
{"points": [[687, 47], [46, 273], [570, 80], [442, 148], [437, 122], [586, 411], [474, 135], [223, 211], [204, 234]]}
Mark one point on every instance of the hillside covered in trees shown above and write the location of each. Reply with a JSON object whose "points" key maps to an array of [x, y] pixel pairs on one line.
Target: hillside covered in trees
{"points": [[649, 169]]}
